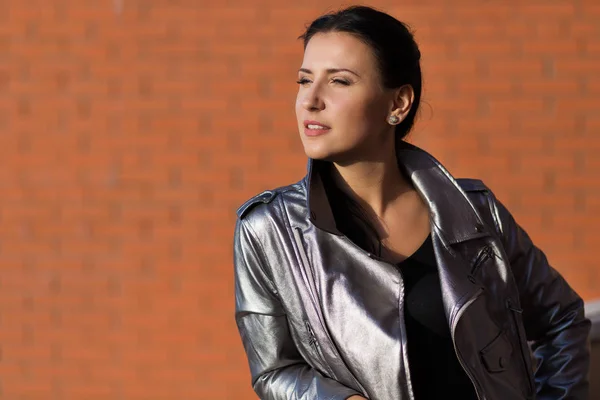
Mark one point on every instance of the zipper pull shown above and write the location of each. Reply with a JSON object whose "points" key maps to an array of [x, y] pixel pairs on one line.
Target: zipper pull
{"points": [[312, 338], [486, 253]]}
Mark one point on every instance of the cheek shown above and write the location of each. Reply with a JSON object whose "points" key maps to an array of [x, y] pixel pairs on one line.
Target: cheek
{"points": [[347, 104], [360, 111], [298, 104], [360, 102]]}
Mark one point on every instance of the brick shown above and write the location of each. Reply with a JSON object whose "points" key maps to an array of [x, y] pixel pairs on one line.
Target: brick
{"points": [[517, 106], [592, 48], [497, 48], [487, 86], [584, 29], [557, 47], [552, 29], [550, 87], [564, 201], [483, 125], [464, 104], [592, 87], [576, 104], [571, 69], [552, 10], [582, 144], [547, 162], [591, 10], [450, 68], [580, 181], [411, 13], [591, 123], [560, 124], [515, 69]]}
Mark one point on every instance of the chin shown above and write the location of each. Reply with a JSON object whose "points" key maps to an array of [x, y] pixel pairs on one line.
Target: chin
{"points": [[326, 149], [317, 151], [324, 155]]}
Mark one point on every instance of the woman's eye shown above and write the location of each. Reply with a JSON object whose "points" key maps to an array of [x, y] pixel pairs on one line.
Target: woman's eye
{"points": [[341, 81], [302, 81]]}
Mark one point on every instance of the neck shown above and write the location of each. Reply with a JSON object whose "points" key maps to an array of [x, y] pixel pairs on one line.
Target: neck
{"points": [[375, 183]]}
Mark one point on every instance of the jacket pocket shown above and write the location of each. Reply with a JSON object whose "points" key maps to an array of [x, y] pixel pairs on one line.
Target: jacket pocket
{"points": [[314, 344], [515, 313], [496, 355]]}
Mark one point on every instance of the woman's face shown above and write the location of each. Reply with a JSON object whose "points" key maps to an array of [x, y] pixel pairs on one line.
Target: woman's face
{"points": [[342, 107]]}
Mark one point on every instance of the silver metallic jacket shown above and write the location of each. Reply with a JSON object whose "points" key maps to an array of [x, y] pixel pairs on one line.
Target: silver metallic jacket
{"points": [[321, 319]]}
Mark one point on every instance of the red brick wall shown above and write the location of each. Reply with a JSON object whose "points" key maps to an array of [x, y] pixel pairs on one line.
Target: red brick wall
{"points": [[130, 130]]}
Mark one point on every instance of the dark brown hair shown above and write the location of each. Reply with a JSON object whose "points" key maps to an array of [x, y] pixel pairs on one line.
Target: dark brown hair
{"points": [[399, 63], [394, 47]]}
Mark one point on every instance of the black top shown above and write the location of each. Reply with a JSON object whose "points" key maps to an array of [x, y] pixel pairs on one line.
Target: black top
{"points": [[434, 368]]}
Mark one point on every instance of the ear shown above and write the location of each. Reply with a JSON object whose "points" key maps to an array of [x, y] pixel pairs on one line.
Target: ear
{"points": [[403, 99]]}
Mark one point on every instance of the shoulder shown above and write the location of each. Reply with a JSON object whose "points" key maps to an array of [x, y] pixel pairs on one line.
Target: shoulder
{"points": [[476, 190], [472, 185], [484, 201], [264, 200]]}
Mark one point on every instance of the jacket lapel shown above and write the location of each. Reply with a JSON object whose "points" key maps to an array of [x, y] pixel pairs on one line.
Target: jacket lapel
{"points": [[456, 226], [455, 222]]}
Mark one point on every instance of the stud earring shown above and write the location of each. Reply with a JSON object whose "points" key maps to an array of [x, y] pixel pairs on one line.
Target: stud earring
{"points": [[393, 120]]}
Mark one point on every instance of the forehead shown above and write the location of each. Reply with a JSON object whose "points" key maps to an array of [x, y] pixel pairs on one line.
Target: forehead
{"points": [[338, 50]]}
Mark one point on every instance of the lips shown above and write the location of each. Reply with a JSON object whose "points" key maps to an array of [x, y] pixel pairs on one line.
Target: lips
{"points": [[315, 128], [315, 125]]}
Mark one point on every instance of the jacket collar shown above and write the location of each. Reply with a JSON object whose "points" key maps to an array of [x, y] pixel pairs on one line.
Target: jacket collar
{"points": [[451, 211]]}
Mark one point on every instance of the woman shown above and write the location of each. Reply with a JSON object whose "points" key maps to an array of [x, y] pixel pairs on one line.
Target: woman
{"points": [[381, 276]]}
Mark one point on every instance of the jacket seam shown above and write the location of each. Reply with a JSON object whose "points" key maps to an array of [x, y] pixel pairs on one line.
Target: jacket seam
{"points": [[491, 200], [290, 229], [263, 257]]}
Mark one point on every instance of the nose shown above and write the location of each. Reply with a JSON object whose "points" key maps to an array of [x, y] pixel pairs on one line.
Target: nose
{"points": [[312, 100]]}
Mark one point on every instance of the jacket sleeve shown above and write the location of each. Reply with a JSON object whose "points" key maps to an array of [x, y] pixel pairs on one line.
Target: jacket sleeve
{"points": [[278, 370], [553, 316]]}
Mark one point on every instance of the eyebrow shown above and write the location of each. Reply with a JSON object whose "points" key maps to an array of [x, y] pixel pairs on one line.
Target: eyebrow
{"points": [[330, 71]]}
